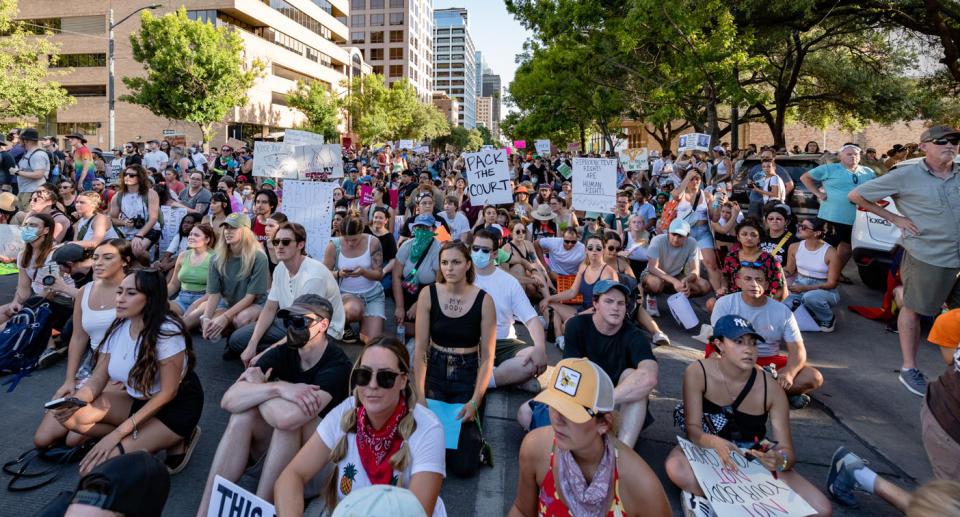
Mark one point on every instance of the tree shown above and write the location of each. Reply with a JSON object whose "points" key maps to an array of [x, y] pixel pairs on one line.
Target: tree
{"points": [[195, 71], [486, 136], [395, 113], [25, 58], [320, 105]]}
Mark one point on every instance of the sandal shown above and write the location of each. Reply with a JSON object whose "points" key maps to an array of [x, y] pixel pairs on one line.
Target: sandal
{"points": [[177, 462]]}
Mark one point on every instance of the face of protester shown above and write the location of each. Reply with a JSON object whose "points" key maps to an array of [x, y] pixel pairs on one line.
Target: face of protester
{"points": [[850, 157], [569, 240], [130, 178], [197, 239], [944, 153], [622, 203], [748, 237], [40, 201], [489, 215], [67, 189], [610, 249], [752, 282], [261, 205], [769, 168], [461, 184], [611, 306], [741, 351], [726, 213], [676, 240], [98, 187], [170, 177], [337, 194], [337, 220], [425, 179], [775, 222], [130, 301], [84, 207], [695, 180], [635, 224], [196, 180], [231, 235], [503, 219], [186, 225], [454, 265], [555, 205], [594, 250], [375, 398], [106, 261], [271, 227], [425, 205], [287, 246], [812, 147], [379, 220]]}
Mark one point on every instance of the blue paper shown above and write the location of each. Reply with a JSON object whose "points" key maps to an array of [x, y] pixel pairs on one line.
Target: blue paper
{"points": [[447, 413]]}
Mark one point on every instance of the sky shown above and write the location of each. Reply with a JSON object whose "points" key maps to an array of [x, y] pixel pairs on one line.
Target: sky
{"points": [[496, 33]]}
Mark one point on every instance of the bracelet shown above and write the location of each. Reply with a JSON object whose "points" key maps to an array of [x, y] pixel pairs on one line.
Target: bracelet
{"points": [[476, 411], [134, 434], [782, 467]]}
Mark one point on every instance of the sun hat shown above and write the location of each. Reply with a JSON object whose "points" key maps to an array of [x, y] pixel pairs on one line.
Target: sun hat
{"points": [[544, 213]]}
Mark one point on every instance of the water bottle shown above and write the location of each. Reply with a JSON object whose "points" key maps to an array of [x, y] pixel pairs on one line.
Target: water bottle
{"points": [[402, 333]]}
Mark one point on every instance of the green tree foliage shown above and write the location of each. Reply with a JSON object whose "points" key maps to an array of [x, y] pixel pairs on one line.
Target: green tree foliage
{"points": [[395, 113], [320, 105], [26, 90], [461, 138], [486, 136], [195, 71]]}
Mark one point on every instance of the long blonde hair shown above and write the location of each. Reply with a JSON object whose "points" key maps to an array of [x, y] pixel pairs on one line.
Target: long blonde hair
{"points": [[248, 252], [348, 422]]}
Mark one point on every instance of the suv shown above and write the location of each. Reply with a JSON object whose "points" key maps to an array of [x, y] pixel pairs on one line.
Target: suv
{"points": [[801, 201]]}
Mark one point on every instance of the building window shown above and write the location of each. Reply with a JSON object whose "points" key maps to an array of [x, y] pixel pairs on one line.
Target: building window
{"points": [[78, 60], [396, 36], [396, 18], [325, 5], [396, 4], [396, 53], [376, 4], [376, 20], [376, 37], [378, 69], [376, 54], [358, 4], [356, 20], [89, 90], [443, 65], [301, 17], [396, 70], [84, 128], [356, 37]]}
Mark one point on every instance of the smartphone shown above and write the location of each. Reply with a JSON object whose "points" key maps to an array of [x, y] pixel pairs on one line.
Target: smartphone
{"points": [[64, 402], [764, 445]]}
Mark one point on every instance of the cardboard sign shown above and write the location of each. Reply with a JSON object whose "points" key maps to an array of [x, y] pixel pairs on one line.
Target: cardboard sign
{"points": [[573, 147], [693, 142], [488, 178], [565, 170], [441, 234], [594, 184], [171, 225], [11, 244], [310, 203], [234, 143], [634, 159], [274, 160], [366, 195], [405, 144], [519, 144], [228, 500], [298, 137], [543, 148], [750, 491], [319, 162]]}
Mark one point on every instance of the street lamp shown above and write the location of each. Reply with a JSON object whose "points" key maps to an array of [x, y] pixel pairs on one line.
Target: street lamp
{"points": [[111, 92]]}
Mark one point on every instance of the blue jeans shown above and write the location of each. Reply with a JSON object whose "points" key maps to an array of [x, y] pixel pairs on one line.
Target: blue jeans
{"points": [[451, 378], [186, 298], [818, 301]]}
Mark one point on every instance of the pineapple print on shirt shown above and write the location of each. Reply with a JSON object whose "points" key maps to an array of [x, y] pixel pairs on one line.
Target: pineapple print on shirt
{"points": [[349, 476]]}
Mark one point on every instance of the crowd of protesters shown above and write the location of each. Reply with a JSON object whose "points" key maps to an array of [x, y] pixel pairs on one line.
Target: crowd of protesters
{"points": [[237, 273]]}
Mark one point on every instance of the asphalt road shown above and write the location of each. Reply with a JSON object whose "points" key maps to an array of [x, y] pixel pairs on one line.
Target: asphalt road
{"points": [[862, 405]]}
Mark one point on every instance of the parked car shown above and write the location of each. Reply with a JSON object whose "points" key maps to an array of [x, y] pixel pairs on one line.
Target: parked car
{"points": [[801, 201]]}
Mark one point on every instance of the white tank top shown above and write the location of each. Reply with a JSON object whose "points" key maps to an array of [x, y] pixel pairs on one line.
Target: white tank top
{"points": [[132, 204], [109, 234], [95, 322], [684, 208], [813, 264], [356, 284]]}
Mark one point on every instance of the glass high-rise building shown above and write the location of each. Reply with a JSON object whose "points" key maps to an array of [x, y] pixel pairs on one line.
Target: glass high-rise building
{"points": [[454, 61]]}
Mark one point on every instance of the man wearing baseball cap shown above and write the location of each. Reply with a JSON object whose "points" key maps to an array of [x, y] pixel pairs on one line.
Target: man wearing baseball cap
{"points": [[33, 170], [673, 265], [927, 196], [581, 399]]}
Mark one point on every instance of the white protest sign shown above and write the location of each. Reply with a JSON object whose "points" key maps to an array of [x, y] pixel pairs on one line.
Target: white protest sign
{"points": [[405, 144], [274, 160], [228, 499], [693, 142], [751, 491], [543, 148], [310, 203], [634, 159], [488, 177], [422, 149], [486, 147], [171, 225], [299, 137], [11, 244], [319, 161], [594, 184]]}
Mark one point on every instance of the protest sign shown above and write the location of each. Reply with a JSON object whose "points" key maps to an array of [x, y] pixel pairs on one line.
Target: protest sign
{"points": [[394, 198], [573, 147], [488, 177], [405, 144], [634, 159], [422, 149], [565, 170], [750, 491], [11, 244], [171, 225], [693, 142], [543, 148], [366, 195], [310, 203], [508, 150], [519, 144], [228, 500], [298, 137], [486, 147], [319, 162], [594, 184], [274, 160]]}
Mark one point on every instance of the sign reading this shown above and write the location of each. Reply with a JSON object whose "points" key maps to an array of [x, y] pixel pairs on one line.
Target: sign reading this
{"points": [[228, 500]]}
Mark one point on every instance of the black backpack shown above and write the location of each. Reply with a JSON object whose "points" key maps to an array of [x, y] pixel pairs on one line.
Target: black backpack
{"points": [[24, 338]]}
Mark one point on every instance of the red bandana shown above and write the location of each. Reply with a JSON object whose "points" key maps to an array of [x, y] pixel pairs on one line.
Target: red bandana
{"points": [[376, 447], [545, 227]]}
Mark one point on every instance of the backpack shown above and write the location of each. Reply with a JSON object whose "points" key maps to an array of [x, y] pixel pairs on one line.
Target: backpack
{"points": [[24, 339], [667, 217]]}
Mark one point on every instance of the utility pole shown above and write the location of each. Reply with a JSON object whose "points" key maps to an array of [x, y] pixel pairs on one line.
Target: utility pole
{"points": [[111, 92]]}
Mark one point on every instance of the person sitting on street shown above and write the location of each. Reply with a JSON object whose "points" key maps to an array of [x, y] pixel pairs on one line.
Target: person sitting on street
{"points": [[275, 403], [817, 266], [673, 263], [748, 251], [358, 276], [777, 325], [566, 253]]}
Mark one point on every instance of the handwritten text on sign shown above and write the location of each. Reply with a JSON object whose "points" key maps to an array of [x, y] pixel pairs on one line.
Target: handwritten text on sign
{"points": [[594, 184], [229, 499], [750, 492], [488, 177], [310, 203]]}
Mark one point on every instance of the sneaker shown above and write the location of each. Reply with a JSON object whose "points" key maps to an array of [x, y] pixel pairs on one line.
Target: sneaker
{"points": [[559, 342], [829, 326], [840, 479], [914, 380], [695, 506], [177, 462], [799, 401], [661, 339], [50, 357], [531, 386], [652, 305], [706, 332], [350, 336]]}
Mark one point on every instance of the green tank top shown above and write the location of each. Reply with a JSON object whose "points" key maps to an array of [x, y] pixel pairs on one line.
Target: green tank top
{"points": [[194, 278]]}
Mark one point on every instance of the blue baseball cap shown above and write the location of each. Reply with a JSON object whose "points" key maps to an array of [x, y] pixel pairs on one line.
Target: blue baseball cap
{"points": [[606, 284], [732, 326], [680, 227], [425, 220]]}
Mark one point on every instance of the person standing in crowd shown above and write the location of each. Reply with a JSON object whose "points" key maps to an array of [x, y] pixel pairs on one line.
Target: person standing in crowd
{"points": [[155, 158], [379, 436], [358, 277], [576, 466], [136, 211], [696, 203], [838, 180], [714, 418], [189, 278], [265, 203], [82, 161], [927, 194], [455, 349], [673, 262], [757, 176], [33, 168], [817, 266], [195, 198], [418, 260], [275, 403], [92, 227], [16, 149]]}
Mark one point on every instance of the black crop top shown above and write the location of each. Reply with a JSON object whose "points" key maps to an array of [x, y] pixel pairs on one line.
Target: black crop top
{"points": [[737, 426], [460, 332]]}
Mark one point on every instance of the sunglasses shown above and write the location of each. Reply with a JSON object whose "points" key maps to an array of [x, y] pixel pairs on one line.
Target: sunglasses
{"points": [[483, 249], [613, 248], [766, 160], [298, 321], [594, 247], [520, 231], [361, 376], [285, 242], [565, 241], [952, 140], [747, 263], [804, 227], [130, 174]]}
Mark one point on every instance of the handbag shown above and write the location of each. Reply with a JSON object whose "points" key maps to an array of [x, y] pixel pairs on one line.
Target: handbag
{"points": [[58, 457]]}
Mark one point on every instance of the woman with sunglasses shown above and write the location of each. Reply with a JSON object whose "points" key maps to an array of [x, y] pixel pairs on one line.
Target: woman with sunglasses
{"points": [[378, 228], [135, 209], [67, 189], [46, 200], [220, 208], [747, 251], [189, 278], [94, 309], [356, 260], [777, 239], [524, 264], [92, 227], [148, 349], [455, 342], [270, 228], [591, 270], [817, 266]]}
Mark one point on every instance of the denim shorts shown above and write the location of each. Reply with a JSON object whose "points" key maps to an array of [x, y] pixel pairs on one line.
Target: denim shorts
{"points": [[701, 234], [374, 302], [186, 298], [451, 377]]}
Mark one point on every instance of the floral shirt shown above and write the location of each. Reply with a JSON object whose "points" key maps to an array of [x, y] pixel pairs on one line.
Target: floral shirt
{"points": [[768, 264]]}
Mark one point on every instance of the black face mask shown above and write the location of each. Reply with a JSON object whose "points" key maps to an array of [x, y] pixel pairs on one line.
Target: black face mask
{"points": [[297, 338]]}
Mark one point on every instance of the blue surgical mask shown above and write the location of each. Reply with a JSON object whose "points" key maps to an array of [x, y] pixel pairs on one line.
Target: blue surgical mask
{"points": [[28, 234], [480, 259]]}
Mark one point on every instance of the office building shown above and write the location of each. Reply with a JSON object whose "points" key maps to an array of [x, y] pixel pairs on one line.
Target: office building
{"points": [[491, 88], [454, 61], [449, 107], [481, 65], [485, 113], [295, 39], [396, 38]]}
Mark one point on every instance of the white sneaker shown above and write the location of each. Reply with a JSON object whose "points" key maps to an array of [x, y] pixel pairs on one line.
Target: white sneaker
{"points": [[559, 342], [652, 305], [706, 332], [695, 506], [661, 339]]}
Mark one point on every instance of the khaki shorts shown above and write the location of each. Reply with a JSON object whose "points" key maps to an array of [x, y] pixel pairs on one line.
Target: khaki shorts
{"points": [[926, 287], [943, 451], [507, 349]]}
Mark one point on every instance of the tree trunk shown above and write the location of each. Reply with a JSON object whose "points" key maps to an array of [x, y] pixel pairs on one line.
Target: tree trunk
{"points": [[583, 136]]}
